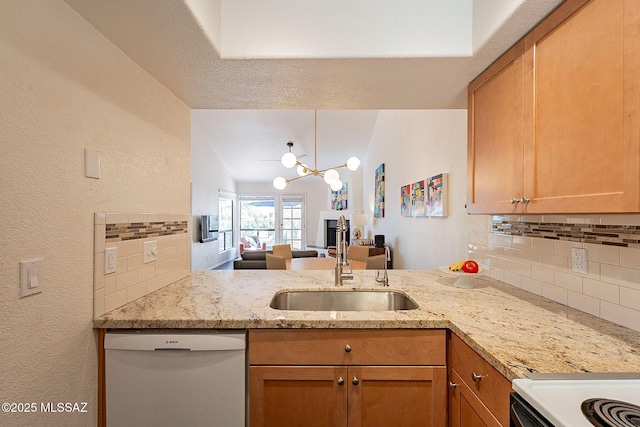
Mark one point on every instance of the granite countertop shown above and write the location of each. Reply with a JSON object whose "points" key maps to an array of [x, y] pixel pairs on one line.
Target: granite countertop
{"points": [[515, 331]]}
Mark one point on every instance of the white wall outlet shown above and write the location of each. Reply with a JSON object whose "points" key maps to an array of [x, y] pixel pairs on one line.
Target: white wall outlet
{"points": [[110, 260], [150, 251], [30, 277], [579, 260]]}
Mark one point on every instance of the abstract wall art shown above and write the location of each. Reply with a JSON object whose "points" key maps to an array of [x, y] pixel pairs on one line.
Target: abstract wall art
{"points": [[437, 195], [405, 200], [427, 197], [418, 199], [378, 207], [340, 198]]}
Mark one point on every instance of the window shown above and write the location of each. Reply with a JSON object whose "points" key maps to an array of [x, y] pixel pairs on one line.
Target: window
{"points": [[225, 211], [258, 220], [272, 220], [292, 220]]}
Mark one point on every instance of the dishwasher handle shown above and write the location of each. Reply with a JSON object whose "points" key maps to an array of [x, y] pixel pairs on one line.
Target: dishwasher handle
{"points": [[171, 349]]}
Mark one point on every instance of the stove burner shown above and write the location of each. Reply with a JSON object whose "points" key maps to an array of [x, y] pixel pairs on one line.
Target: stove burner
{"points": [[604, 412]]}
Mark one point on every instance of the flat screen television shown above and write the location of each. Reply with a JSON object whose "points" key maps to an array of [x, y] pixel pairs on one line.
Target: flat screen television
{"points": [[208, 228]]}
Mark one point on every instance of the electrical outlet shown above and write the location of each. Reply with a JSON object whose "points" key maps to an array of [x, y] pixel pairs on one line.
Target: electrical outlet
{"points": [[579, 260], [150, 251], [110, 260]]}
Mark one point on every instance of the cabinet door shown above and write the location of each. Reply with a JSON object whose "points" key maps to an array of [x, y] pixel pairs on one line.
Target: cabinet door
{"points": [[465, 409], [480, 377], [293, 396], [407, 396], [581, 109], [495, 135]]}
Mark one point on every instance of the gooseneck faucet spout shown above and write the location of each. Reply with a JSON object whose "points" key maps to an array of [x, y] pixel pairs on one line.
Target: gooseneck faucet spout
{"points": [[341, 252]]}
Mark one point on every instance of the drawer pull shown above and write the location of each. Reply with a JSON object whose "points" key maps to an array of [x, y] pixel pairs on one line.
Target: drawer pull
{"points": [[347, 348], [476, 377], [340, 381], [452, 385], [355, 381]]}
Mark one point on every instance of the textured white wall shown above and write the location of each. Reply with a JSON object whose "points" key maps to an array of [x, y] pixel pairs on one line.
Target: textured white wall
{"points": [[208, 176], [414, 145], [65, 87]]}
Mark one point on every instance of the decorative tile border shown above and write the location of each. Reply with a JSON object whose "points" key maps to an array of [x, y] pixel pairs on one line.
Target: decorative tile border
{"points": [[614, 235], [141, 230]]}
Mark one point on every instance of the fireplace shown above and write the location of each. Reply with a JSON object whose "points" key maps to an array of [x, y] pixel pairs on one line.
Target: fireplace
{"points": [[330, 227]]}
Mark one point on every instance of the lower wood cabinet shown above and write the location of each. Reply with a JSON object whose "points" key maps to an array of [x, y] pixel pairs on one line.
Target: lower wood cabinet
{"points": [[478, 394], [465, 408], [378, 391], [322, 396]]}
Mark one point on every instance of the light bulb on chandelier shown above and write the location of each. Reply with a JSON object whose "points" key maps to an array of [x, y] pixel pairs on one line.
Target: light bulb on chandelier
{"points": [[289, 159], [353, 163], [330, 175], [279, 183]]}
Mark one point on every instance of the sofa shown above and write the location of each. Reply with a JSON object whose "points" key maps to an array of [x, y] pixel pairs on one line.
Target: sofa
{"points": [[252, 243], [257, 260]]}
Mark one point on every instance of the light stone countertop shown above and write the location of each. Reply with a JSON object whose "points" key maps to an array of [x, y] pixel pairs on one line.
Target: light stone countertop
{"points": [[515, 331]]}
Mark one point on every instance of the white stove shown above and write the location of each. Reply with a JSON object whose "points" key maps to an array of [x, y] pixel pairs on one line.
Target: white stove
{"points": [[559, 398]]}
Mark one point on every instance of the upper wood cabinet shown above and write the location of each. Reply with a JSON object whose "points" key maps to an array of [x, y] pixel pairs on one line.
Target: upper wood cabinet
{"points": [[573, 116], [495, 145]]}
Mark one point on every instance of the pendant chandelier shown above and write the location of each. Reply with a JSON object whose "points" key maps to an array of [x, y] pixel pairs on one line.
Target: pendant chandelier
{"points": [[330, 175]]}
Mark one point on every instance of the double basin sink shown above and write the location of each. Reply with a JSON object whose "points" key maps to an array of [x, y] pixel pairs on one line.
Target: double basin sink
{"points": [[339, 300]]}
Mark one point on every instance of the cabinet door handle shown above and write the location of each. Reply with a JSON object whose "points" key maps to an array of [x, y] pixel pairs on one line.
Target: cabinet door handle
{"points": [[476, 377], [347, 348], [452, 385], [340, 381], [524, 200], [514, 201], [355, 381]]}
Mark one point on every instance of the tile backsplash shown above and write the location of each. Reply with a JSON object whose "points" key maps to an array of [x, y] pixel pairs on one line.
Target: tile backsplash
{"points": [[534, 253], [134, 278]]}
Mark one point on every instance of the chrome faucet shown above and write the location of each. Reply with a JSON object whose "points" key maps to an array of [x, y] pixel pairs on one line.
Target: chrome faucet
{"points": [[382, 277], [341, 252]]}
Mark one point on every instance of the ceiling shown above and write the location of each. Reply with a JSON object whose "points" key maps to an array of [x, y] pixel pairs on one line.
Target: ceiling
{"points": [[178, 42], [251, 142]]}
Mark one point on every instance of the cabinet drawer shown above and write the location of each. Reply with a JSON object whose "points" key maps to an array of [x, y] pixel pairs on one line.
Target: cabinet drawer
{"points": [[347, 347], [492, 389]]}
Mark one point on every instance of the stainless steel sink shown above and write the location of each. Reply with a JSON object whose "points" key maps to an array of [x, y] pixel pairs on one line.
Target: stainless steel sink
{"points": [[348, 300]]}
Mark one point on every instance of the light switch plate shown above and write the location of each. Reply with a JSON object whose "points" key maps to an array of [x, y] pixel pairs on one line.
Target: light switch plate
{"points": [[30, 277], [91, 163]]}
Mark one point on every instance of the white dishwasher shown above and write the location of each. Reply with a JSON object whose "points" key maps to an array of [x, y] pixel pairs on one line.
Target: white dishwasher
{"points": [[175, 378]]}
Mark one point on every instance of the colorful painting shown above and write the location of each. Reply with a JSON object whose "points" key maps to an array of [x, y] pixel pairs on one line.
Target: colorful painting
{"points": [[425, 198], [418, 199], [339, 198], [405, 200], [437, 195], [378, 208]]}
